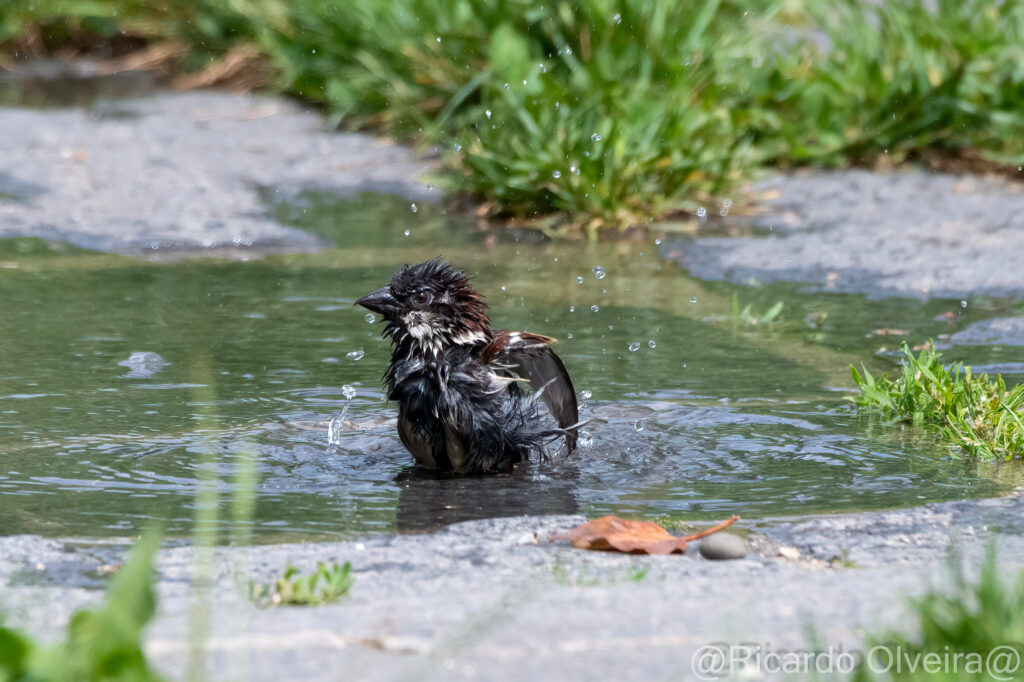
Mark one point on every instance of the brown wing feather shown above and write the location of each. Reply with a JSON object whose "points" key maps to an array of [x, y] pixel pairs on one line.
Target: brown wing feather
{"points": [[531, 357]]}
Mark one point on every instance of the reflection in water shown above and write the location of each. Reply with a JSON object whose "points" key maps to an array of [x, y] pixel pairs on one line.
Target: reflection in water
{"points": [[428, 500]]}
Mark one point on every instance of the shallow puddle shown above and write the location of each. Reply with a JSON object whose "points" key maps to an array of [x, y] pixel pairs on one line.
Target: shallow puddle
{"points": [[699, 412]]}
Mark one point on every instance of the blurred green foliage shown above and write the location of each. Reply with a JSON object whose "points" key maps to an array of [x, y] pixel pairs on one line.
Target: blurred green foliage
{"points": [[971, 632], [609, 113], [101, 644]]}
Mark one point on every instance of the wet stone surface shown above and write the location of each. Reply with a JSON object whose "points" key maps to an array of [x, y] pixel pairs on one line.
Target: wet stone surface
{"points": [[905, 233], [1007, 331], [181, 172]]}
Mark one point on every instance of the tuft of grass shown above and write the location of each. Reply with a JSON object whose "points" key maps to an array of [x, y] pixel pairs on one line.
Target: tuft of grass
{"points": [[328, 583], [101, 644], [971, 626], [977, 413], [607, 112], [747, 317]]}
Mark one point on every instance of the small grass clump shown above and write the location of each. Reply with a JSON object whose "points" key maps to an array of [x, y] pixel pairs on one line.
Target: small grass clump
{"points": [[634, 573], [977, 413], [748, 317], [328, 583], [101, 644], [973, 632]]}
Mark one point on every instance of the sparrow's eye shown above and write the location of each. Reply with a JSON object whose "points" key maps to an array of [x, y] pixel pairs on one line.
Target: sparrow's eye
{"points": [[422, 298]]}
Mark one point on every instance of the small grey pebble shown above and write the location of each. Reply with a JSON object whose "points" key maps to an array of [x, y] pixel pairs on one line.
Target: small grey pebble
{"points": [[723, 546]]}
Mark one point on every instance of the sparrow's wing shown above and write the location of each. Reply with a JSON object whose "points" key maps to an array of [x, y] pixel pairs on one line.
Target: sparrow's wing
{"points": [[531, 357], [425, 449]]}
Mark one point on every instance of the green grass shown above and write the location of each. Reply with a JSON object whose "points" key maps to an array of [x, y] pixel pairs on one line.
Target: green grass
{"points": [[748, 317], [977, 413], [604, 114], [328, 583], [971, 624], [101, 644], [634, 573]]}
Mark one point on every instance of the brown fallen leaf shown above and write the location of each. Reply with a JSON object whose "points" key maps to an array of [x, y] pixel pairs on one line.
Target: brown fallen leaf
{"points": [[886, 331], [613, 534]]}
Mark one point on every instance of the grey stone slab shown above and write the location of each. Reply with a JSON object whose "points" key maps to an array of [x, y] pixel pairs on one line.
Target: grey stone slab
{"points": [[182, 172], [904, 233], [1000, 331]]}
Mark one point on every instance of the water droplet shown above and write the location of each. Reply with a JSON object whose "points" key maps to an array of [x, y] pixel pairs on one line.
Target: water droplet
{"points": [[586, 394], [556, 174], [503, 288], [693, 299], [598, 272], [407, 233], [963, 304], [543, 69], [574, 170], [594, 308], [657, 242], [567, 50], [634, 347], [572, 309], [586, 154], [524, 81], [348, 391], [439, 39], [506, 86], [568, 335], [595, 137], [487, 113], [370, 317], [557, 105], [414, 208], [579, 280], [652, 344], [617, 18], [334, 428], [639, 425], [702, 213], [355, 356], [457, 147]]}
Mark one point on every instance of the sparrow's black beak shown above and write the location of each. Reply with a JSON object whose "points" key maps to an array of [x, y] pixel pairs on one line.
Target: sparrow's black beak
{"points": [[380, 301]]}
